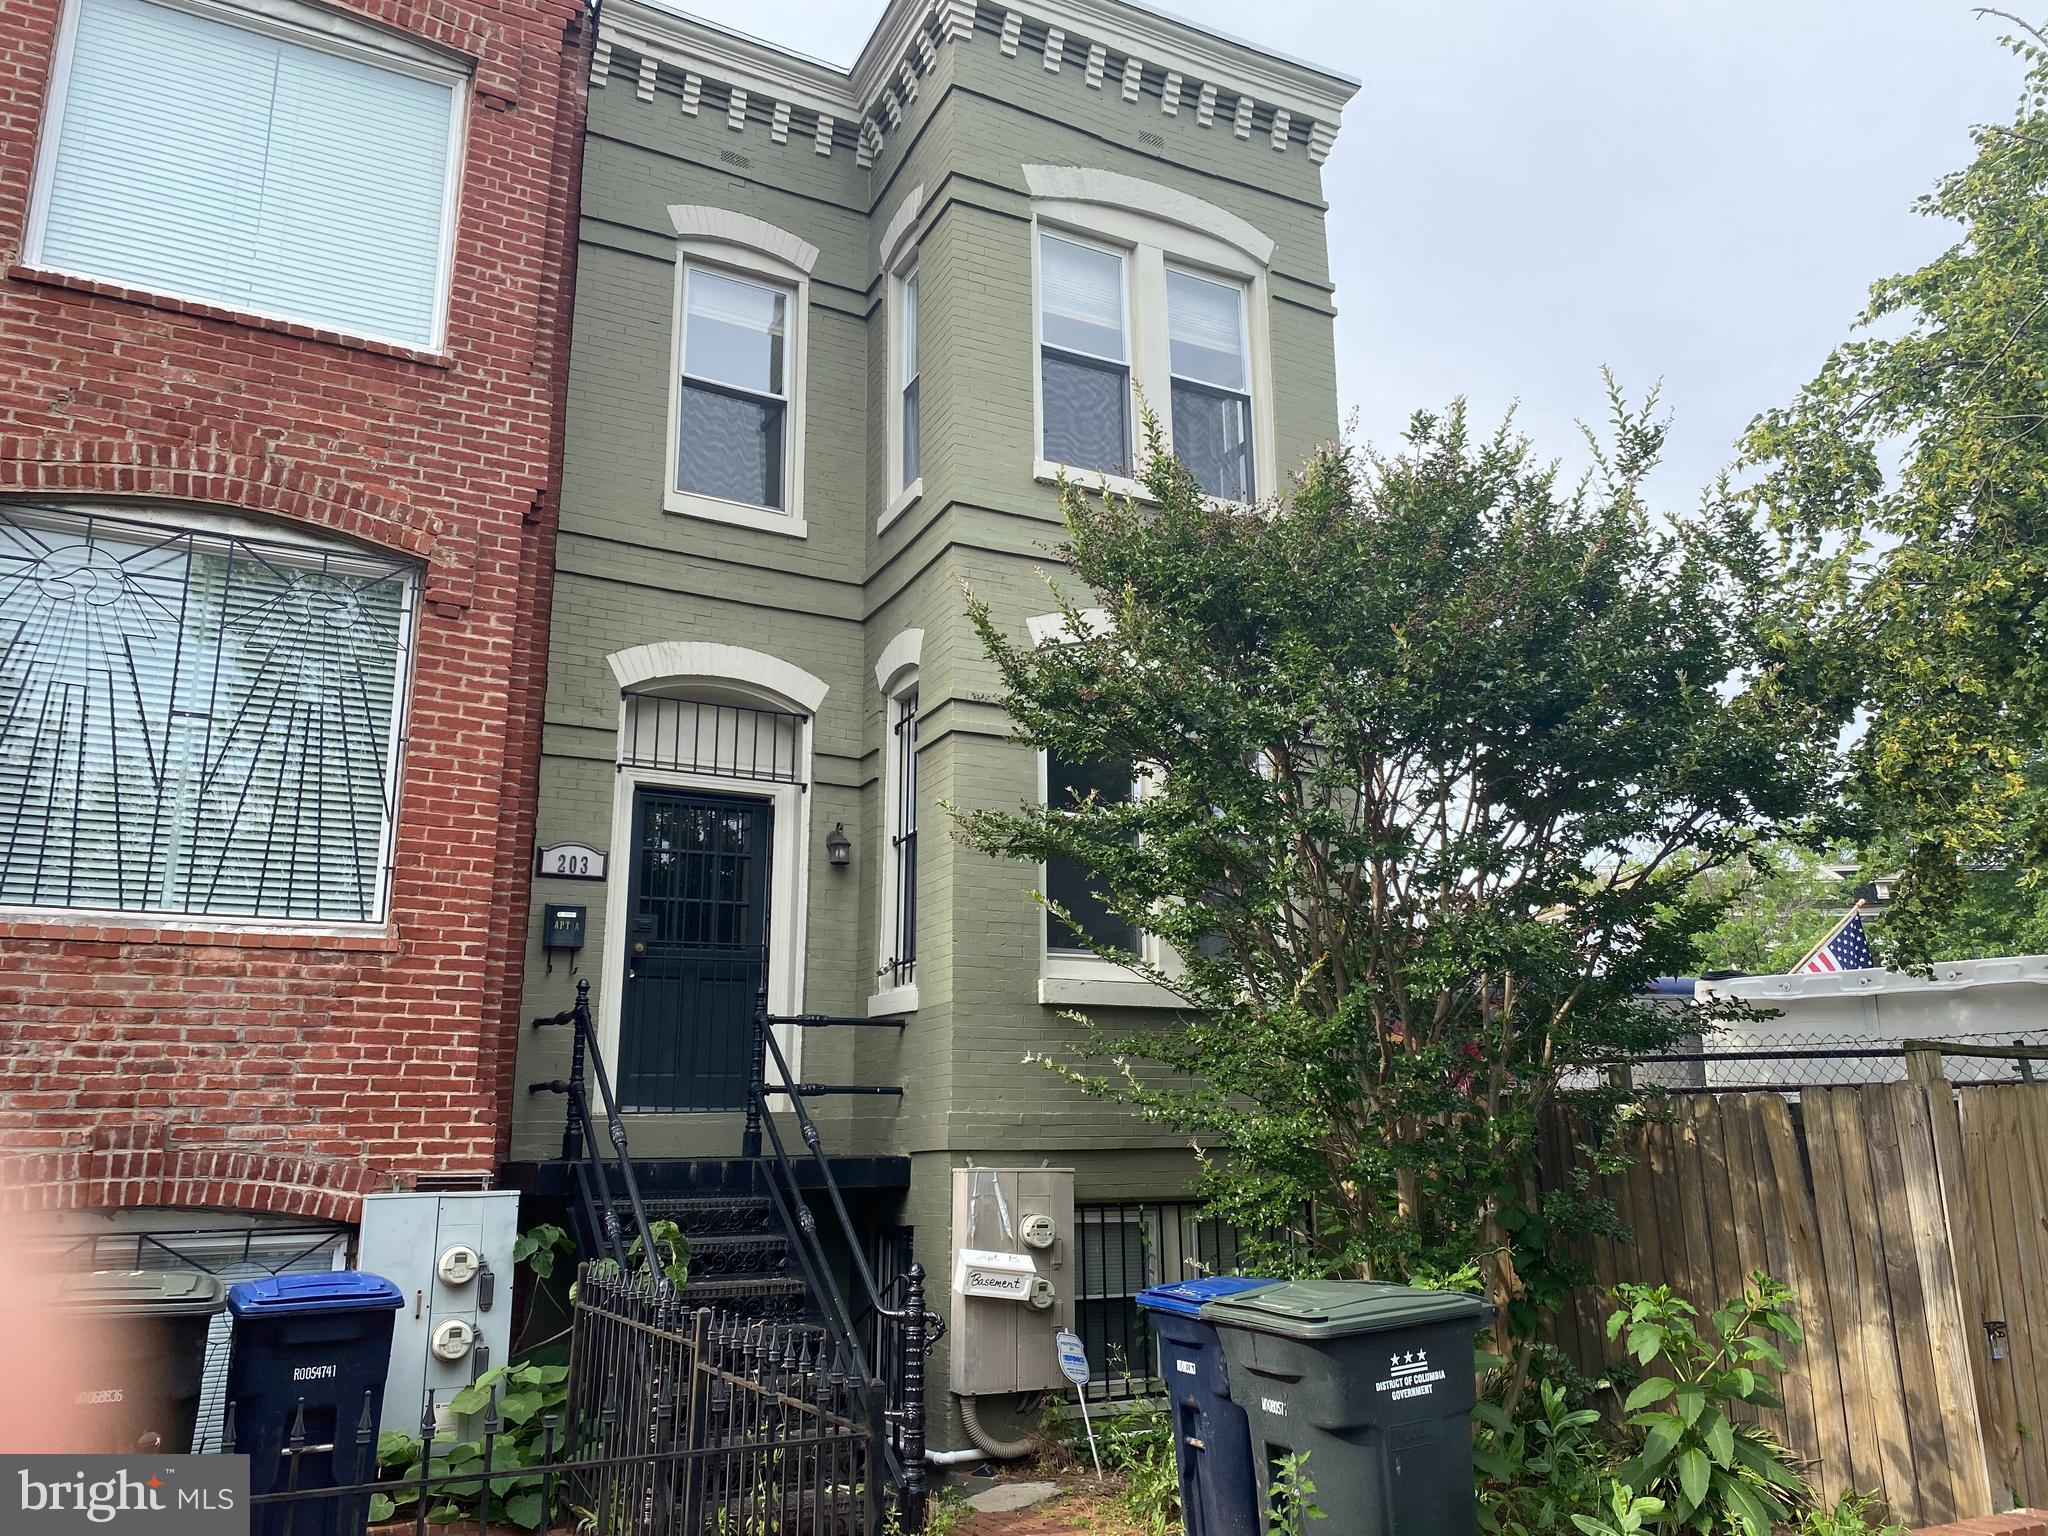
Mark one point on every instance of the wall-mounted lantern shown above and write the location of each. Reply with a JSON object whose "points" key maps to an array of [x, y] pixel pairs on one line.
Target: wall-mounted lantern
{"points": [[839, 847]]}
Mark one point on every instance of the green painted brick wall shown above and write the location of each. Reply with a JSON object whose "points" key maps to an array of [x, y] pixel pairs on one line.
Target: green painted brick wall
{"points": [[631, 573]]}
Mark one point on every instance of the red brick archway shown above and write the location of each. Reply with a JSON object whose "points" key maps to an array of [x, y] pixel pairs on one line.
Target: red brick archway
{"points": [[139, 1164]]}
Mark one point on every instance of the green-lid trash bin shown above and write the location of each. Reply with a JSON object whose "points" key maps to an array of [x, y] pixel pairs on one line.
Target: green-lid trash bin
{"points": [[1374, 1385], [140, 1389]]}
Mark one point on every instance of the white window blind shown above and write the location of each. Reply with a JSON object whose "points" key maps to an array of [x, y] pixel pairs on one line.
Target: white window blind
{"points": [[207, 160], [194, 721]]}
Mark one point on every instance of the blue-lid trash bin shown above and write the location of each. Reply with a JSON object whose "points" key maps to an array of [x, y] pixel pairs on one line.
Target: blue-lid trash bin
{"points": [[1212, 1444], [319, 1345]]}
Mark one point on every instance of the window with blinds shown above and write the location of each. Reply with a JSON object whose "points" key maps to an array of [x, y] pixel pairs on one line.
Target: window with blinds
{"points": [[1212, 400], [196, 721], [1084, 355], [730, 438], [290, 173]]}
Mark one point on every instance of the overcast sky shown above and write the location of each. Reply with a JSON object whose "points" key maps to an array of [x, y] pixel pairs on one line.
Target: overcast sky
{"points": [[1697, 191]]}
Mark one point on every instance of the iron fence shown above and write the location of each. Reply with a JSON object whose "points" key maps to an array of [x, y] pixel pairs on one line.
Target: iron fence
{"points": [[676, 1423]]}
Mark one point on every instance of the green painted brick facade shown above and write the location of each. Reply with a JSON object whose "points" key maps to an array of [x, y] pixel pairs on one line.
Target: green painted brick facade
{"points": [[631, 573]]}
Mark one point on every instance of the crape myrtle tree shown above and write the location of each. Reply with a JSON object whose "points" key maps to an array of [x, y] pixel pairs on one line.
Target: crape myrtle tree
{"points": [[1431, 751], [1911, 478]]}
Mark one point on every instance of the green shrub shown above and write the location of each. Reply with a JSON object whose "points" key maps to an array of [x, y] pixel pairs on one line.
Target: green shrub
{"points": [[1539, 1472], [1712, 1474]]}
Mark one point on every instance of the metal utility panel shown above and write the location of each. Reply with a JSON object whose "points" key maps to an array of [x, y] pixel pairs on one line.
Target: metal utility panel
{"points": [[451, 1254], [1001, 1345]]}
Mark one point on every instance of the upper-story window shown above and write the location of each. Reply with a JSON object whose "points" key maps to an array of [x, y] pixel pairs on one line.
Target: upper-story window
{"points": [[731, 429], [269, 157], [913, 458], [736, 373], [1212, 399], [1147, 290], [198, 717], [1084, 355]]}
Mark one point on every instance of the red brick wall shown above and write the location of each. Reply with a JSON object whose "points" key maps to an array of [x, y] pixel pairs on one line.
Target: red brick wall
{"points": [[144, 1064]]}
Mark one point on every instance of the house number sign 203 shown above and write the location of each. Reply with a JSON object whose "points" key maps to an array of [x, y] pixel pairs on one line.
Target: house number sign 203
{"points": [[570, 861]]}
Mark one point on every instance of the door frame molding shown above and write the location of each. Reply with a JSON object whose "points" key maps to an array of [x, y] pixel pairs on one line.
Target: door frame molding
{"points": [[788, 888]]}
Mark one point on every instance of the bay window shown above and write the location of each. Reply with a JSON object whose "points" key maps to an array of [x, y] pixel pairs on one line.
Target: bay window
{"points": [[196, 718], [1089, 923], [273, 157]]}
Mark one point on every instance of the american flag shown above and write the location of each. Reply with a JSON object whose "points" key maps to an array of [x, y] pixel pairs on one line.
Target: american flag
{"points": [[1846, 949]]}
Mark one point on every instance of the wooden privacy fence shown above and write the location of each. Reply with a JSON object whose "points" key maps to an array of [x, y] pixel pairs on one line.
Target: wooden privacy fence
{"points": [[1913, 1229]]}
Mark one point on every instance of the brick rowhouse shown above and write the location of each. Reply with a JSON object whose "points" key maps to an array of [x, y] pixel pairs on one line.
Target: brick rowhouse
{"points": [[155, 1061]]}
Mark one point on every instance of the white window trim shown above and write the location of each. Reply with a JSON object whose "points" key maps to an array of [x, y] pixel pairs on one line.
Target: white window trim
{"points": [[905, 493], [789, 867], [896, 673], [311, 27], [757, 252], [1043, 468], [899, 261], [1150, 237], [1077, 978]]}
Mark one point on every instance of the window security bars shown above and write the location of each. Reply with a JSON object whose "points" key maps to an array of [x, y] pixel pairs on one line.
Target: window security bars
{"points": [[1124, 1248], [733, 741], [196, 721], [901, 968]]}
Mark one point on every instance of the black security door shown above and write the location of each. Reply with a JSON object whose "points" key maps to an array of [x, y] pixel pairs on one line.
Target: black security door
{"points": [[696, 937]]}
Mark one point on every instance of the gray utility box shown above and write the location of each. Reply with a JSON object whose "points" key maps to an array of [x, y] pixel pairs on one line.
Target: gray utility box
{"points": [[1375, 1383], [450, 1255], [1001, 1344]]}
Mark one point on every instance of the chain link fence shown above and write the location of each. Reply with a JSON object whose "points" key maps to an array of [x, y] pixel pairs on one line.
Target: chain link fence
{"points": [[1720, 1062]]}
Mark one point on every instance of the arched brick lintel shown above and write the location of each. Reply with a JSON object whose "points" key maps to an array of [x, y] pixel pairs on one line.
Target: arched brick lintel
{"points": [[220, 476], [129, 1166]]}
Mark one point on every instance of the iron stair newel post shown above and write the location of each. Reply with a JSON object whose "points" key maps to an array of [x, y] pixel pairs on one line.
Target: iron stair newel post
{"points": [[757, 1069], [571, 1148], [912, 1502]]}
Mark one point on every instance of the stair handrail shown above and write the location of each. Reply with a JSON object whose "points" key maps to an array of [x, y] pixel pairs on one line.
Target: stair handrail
{"points": [[921, 1328], [586, 1060]]}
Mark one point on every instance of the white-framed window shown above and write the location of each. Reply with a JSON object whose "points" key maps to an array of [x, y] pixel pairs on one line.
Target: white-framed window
{"points": [[1089, 923], [733, 391], [198, 716], [263, 155], [1084, 355], [899, 967], [1209, 352], [911, 468], [1172, 293], [896, 676], [736, 371]]}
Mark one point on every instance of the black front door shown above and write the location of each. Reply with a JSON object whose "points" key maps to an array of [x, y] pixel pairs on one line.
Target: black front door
{"points": [[696, 942]]}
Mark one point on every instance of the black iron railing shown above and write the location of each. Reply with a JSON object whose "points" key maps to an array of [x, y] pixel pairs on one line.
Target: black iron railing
{"points": [[606, 1233], [677, 1423], [914, 1328]]}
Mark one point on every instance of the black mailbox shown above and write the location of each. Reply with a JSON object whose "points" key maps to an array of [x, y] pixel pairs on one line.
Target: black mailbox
{"points": [[564, 928]]}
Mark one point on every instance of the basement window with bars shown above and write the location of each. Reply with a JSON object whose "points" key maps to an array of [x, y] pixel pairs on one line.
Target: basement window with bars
{"points": [[198, 718], [263, 155]]}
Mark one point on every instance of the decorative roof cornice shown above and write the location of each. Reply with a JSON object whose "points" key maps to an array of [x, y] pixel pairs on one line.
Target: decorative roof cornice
{"points": [[1223, 82]]}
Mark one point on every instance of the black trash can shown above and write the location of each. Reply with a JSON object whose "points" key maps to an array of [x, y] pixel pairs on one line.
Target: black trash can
{"points": [[148, 1359], [1375, 1384], [1212, 1442], [317, 1345]]}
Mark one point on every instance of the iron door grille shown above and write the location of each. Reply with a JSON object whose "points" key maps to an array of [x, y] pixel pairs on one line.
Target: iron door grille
{"points": [[697, 921]]}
